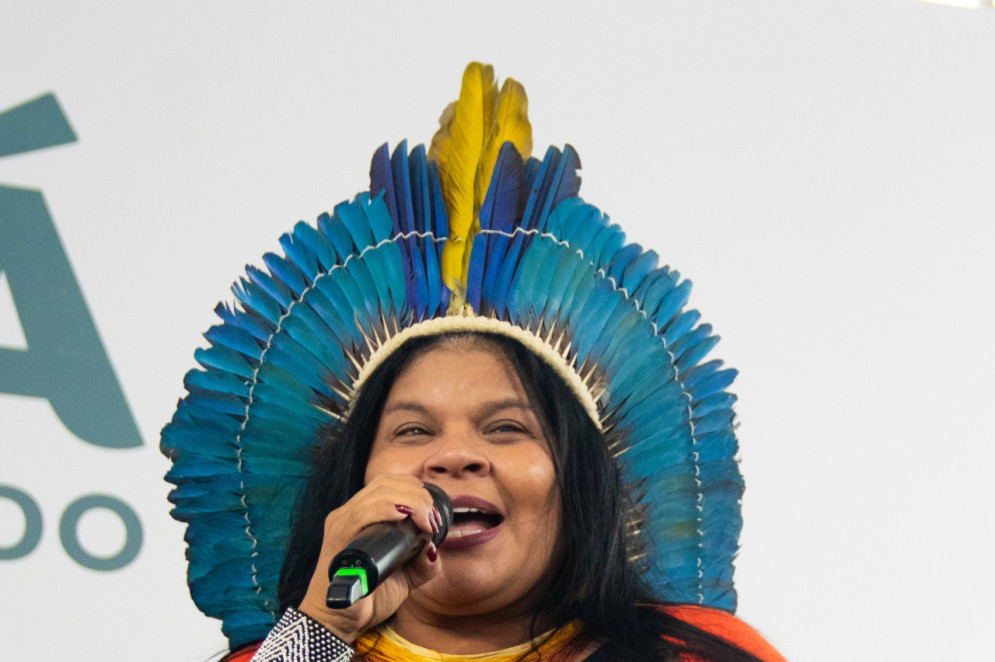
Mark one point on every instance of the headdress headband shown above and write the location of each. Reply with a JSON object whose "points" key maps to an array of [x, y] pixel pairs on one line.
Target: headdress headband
{"points": [[476, 236]]}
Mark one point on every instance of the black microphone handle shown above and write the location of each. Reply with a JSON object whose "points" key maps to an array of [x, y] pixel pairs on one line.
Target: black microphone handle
{"points": [[379, 550]]}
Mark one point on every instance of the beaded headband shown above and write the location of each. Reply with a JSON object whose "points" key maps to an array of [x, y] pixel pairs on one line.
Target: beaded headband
{"points": [[476, 236]]}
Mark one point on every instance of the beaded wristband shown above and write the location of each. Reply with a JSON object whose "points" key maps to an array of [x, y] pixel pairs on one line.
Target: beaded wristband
{"points": [[299, 638]]}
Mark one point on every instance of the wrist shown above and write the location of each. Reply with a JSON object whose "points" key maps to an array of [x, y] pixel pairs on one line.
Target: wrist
{"points": [[299, 638], [339, 622]]}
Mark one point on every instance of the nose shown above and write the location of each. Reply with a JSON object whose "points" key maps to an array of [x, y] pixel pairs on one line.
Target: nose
{"points": [[456, 458]]}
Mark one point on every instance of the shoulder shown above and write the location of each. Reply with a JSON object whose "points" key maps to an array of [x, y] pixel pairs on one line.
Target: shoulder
{"points": [[725, 626]]}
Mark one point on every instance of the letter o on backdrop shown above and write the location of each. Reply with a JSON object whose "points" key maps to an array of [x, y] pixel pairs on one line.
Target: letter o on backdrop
{"points": [[70, 539]]}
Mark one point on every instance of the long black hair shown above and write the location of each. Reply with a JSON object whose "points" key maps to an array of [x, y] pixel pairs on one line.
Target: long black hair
{"points": [[593, 581]]}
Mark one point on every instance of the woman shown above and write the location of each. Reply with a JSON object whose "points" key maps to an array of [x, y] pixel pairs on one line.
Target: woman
{"points": [[504, 433], [479, 327]]}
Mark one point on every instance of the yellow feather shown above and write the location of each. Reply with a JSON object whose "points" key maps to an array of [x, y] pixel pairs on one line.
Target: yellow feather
{"points": [[465, 149], [511, 123]]}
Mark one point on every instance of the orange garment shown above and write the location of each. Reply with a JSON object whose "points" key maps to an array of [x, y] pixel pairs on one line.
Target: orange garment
{"points": [[725, 626], [714, 621], [242, 654]]}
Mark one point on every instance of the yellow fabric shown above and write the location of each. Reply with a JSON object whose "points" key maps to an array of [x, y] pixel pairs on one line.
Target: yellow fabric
{"points": [[383, 644]]}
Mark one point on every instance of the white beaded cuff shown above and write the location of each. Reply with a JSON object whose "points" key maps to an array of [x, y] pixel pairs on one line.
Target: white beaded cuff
{"points": [[299, 638]]}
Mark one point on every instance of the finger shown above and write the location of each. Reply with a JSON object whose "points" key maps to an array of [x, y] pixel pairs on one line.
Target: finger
{"points": [[385, 499], [409, 497], [423, 567]]}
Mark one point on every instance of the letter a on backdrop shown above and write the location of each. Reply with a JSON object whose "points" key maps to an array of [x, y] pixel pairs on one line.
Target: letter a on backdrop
{"points": [[64, 361]]}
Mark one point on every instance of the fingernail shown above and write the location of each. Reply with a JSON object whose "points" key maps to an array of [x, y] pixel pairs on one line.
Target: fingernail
{"points": [[435, 527], [401, 508], [437, 515], [432, 552]]}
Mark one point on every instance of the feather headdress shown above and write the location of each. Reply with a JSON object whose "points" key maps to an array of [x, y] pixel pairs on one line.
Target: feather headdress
{"points": [[474, 235]]}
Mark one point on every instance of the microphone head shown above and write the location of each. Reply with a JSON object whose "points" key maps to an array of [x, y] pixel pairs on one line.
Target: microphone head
{"points": [[445, 507]]}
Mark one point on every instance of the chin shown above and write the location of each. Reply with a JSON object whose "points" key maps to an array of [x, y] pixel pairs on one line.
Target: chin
{"points": [[476, 589]]}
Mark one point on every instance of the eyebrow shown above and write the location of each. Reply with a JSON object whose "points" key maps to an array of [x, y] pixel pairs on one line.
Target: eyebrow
{"points": [[488, 409]]}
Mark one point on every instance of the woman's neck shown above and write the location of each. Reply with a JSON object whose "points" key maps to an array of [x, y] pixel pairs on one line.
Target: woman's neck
{"points": [[463, 635]]}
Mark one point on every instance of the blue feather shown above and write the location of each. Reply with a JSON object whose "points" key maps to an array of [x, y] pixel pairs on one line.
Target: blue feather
{"points": [[255, 324], [538, 188], [680, 325], [264, 295], [672, 303], [382, 181], [222, 358], [522, 292], [356, 223], [499, 211], [601, 302], [502, 203], [657, 285], [221, 382], [695, 352], [474, 280], [299, 255], [420, 197], [621, 260], [433, 277], [402, 188], [637, 270], [287, 273], [235, 338], [707, 379], [567, 273], [440, 225], [361, 288], [441, 220], [714, 402], [495, 256], [317, 245], [564, 184], [498, 297], [333, 228], [578, 223], [377, 220], [418, 283], [329, 314], [340, 292], [606, 243]]}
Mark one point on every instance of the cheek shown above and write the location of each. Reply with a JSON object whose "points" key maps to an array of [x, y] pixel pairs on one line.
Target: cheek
{"points": [[534, 487]]}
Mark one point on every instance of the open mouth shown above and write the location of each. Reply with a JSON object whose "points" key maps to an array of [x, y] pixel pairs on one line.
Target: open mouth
{"points": [[468, 521]]}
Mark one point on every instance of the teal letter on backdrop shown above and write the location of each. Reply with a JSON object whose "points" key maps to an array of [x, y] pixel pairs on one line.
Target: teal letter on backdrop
{"points": [[65, 361]]}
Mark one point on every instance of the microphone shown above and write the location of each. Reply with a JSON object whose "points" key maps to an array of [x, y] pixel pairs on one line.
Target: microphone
{"points": [[379, 550]]}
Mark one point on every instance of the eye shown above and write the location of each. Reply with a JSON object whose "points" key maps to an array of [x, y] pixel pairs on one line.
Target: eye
{"points": [[507, 428], [411, 430]]}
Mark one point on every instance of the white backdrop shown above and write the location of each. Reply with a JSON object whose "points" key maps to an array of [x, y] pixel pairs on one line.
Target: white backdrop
{"points": [[823, 171]]}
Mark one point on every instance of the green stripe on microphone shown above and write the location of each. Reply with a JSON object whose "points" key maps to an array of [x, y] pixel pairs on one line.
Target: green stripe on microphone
{"points": [[348, 585]]}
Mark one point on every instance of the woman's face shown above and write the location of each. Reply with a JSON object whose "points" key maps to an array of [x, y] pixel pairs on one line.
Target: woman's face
{"points": [[461, 419]]}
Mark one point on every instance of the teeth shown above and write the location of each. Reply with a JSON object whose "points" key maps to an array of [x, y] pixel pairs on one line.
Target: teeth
{"points": [[466, 510], [460, 534]]}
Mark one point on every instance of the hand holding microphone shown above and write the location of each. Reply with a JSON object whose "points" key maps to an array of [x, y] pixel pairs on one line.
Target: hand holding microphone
{"points": [[379, 550]]}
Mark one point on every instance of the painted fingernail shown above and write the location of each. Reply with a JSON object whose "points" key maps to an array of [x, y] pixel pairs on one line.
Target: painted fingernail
{"points": [[432, 552], [435, 527], [437, 515], [401, 508]]}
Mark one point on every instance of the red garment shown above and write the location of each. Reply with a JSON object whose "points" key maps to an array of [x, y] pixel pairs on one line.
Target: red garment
{"points": [[725, 626], [243, 654], [713, 621]]}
